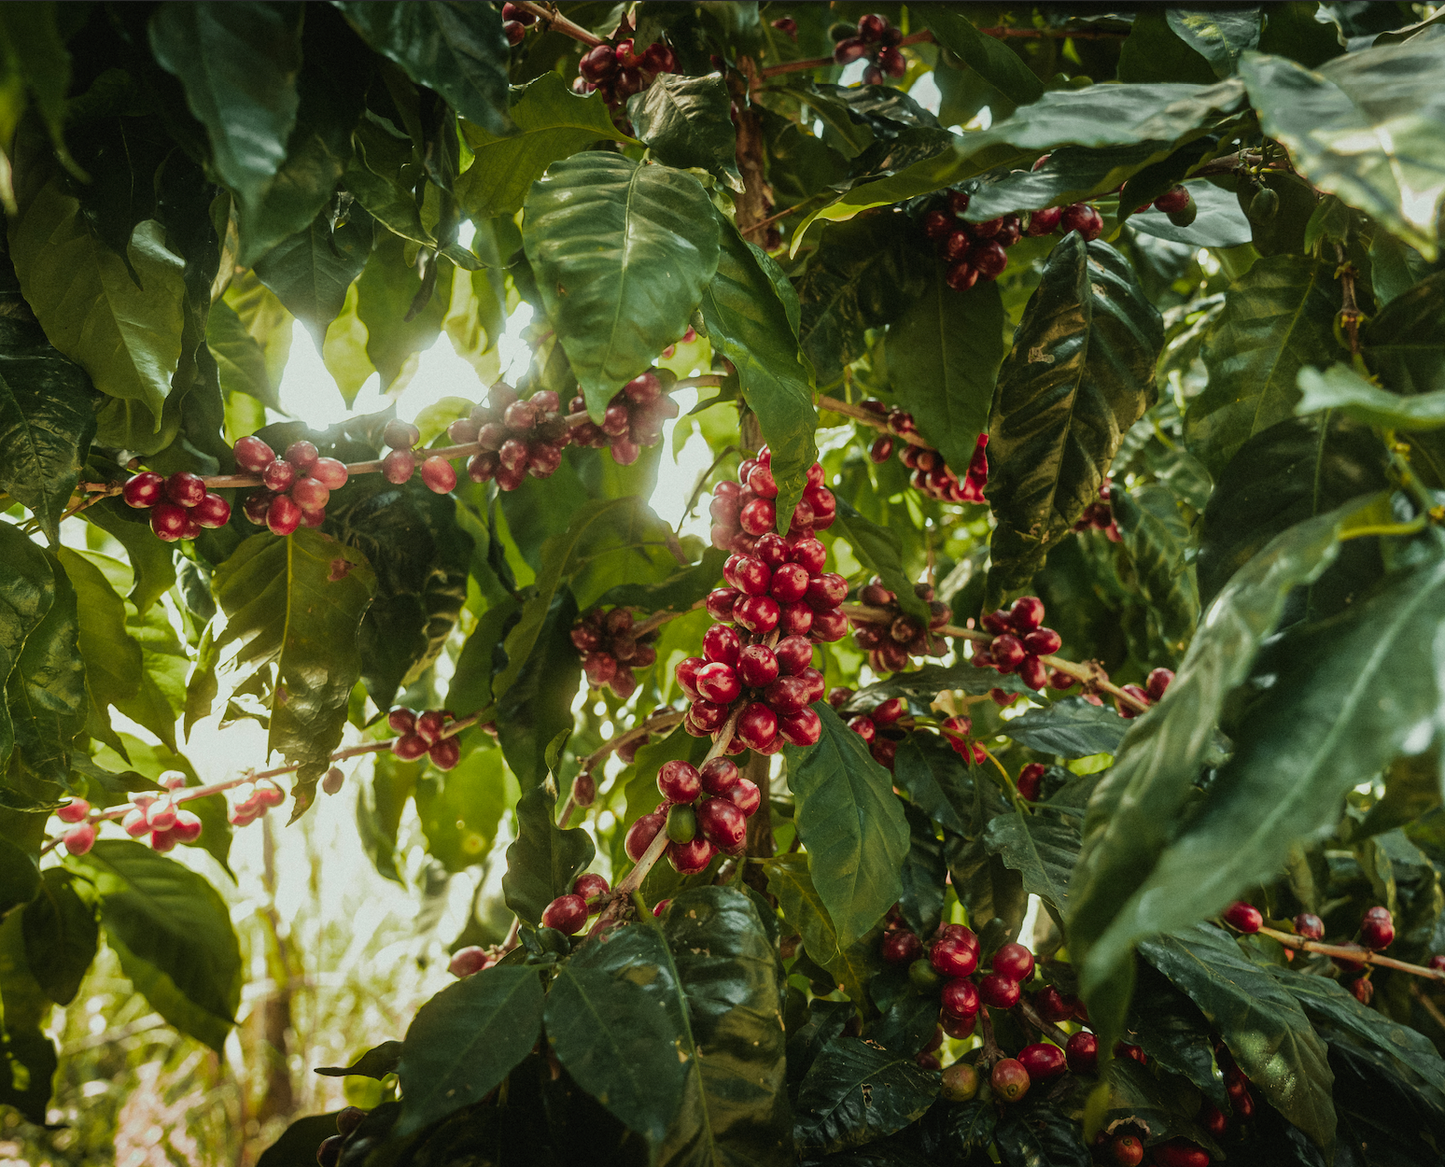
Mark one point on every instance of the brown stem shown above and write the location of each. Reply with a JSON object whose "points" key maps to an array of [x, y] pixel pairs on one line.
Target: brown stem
{"points": [[991, 1051], [771, 219], [1428, 1005], [753, 203], [1034, 1018], [1350, 314], [878, 421], [560, 23], [825, 62], [658, 619], [1351, 952]]}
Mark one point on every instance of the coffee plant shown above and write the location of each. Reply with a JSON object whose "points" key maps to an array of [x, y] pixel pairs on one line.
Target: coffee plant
{"points": [[1065, 789]]}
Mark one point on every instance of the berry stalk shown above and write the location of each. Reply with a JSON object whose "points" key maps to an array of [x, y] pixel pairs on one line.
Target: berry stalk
{"points": [[1356, 953], [559, 23], [879, 421]]}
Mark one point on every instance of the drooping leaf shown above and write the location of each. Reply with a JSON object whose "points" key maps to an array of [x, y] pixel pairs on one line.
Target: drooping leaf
{"points": [[61, 934], [544, 859], [1277, 318], [855, 1093], [686, 122], [1071, 727], [622, 254], [1041, 847], [27, 592], [936, 779], [377, 1062], [881, 551], [992, 59], [113, 656], [551, 123], [455, 48], [238, 64], [1158, 538], [465, 1040], [395, 331], [27, 1056], [1363, 127], [311, 271], [47, 420], [1262, 1025], [851, 824], [1338, 387], [127, 338], [930, 680], [924, 873], [173, 934], [851, 965], [943, 360], [297, 603], [1080, 374], [751, 313], [21, 878]]}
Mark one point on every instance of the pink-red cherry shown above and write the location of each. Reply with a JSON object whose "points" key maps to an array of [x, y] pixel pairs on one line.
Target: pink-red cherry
{"points": [[998, 991], [144, 490], [641, 834], [1310, 926], [1243, 917], [1014, 961], [566, 913], [745, 795], [959, 997], [722, 823], [719, 775], [1010, 1079], [901, 947], [679, 781], [954, 958], [1043, 1060]]}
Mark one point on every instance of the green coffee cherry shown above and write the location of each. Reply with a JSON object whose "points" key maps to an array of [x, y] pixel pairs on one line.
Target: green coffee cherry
{"points": [[1264, 205], [1186, 214], [682, 824], [924, 976]]}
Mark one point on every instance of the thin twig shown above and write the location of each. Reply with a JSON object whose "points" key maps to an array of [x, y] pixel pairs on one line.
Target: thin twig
{"points": [[879, 421], [1033, 1017], [1428, 1005], [657, 723], [560, 23], [1351, 952]]}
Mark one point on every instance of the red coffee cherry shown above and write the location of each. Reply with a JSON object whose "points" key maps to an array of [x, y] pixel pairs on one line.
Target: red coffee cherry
{"points": [[567, 913], [722, 824], [252, 454], [401, 719], [1157, 682], [641, 834], [953, 958], [1030, 781], [1310, 926], [1377, 932], [445, 754], [589, 885], [185, 489], [330, 473], [282, 515], [1082, 1052], [398, 466], [1180, 1153], [959, 998], [1214, 1120], [1044, 1061], [1176, 198], [1051, 1005], [744, 795], [409, 747], [169, 521], [757, 726], [212, 511], [718, 683], [1122, 1049], [692, 857], [1014, 961], [1244, 917], [73, 811], [679, 781], [464, 963], [144, 490], [1127, 1150], [901, 947], [1010, 1080], [1437, 962], [998, 991], [400, 435], [719, 776], [79, 839]]}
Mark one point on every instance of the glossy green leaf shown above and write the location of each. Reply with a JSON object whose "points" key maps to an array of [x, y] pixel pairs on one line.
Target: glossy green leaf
{"points": [[677, 593], [1155, 51], [1158, 540], [1261, 1023], [751, 313], [686, 123], [455, 48], [297, 603], [927, 682], [1172, 1031], [61, 934], [943, 360], [113, 656], [622, 254], [1292, 471], [238, 64], [461, 809], [544, 859], [20, 879], [127, 338], [26, 595], [551, 123], [855, 1093], [936, 779], [173, 934], [1219, 36], [46, 693], [992, 59], [1041, 847], [240, 359], [1071, 727], [1133, 809], [1218, 220], [851, 965], [1346, 696], [537, 706], [1277, 318], [1339, 387], [27, 1056], [465, 1041], [395, 330], [863, 275], [47, 420], [881, 552], [1364, 127], [851, 824], [377, 1063], [924, 873], [311, 271], [1070, 174], [1080, 374]]}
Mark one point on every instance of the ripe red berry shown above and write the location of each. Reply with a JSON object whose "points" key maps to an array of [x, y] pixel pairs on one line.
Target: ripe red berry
{"points": [[719, 775], [998, 991], [1008, 652], [745, 795], [212, 511], [1127, 1150], [690, 858], [252, 454], [1014, 961], [679, 781], [464, 963], [1437, 962], [901, 947], [330, 473], [1180, 1153], [954, 958], [400, 435], [721, 644], [961, 276], [720, 603], [1082, 1052], [718, 683], [1214, 1120], [283, 515], [1044, 1061], [445, 754], [1030, 781], [73, 811], [144, 490], [722, 824], [1051, 1005], [1157, 682], [567, 913], [802, 728], [1377, 933], [1244, 917], [438, 475], [1122, 1049], [1010, 1079], [959, 998], [1044, 222], [641, 834], [1310, 926], [409, 747], [589, 885], [757, 726], [1043, 641], [79, 839], [398, 466], [401, 719], [169, 521]]}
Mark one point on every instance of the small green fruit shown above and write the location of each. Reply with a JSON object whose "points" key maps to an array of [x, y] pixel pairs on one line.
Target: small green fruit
{"points": [[924, 976], [1186, 214], [682, 824], [960, 1082], [1264, 205]]}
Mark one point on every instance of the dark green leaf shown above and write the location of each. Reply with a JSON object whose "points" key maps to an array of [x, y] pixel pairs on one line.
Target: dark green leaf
{"points": [[677, 593], [1041, 847], [1040, 1135], [465, 1041], [1262, 1025], [1405, 348], [113, 657], [1154, 51], [855, 1093], [240, 359], [296, 1146], [935, 778], [538, 706], [686, 123], [924, 873], [238, 64], [881, 552], [1219, 36], [551, 123], [1364, 127], [1339, 387], [544, 860], [27, 592], [1080, 374], [1218, 221], [173, 934], [47, 420], [1071, 727], [19, 879], [622, 254], [943, 359], [460, 809], [1292, 471], [311, 271], [1277, 318], [1172, 1031], [751, 313], [126, 337], [455, 48], [851, 824], [377, 1063], [297, 603], [1158, 538], [851, 965], [930, 680], [992, 59], [27, 1057], [61, 934]]}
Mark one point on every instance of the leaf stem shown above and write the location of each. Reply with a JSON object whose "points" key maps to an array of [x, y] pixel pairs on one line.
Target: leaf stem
{"points": [[1351, 952]]}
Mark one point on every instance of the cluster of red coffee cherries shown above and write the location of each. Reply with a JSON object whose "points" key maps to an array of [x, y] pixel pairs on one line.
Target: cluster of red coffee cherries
{"points": [[155, 815], [979, 251], [1099, 516], [875, 38], [746, 510], [1376, 933], [890, 639], [611, 650], [881, 727], [633, 419], [567, 914], [296, 486], [181, 506], [519, 437], [424, 735], [1019, 641], [703, 811], [1151, 691], [769, 684], [619, 71], [1177, 203], [931, 475]]}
